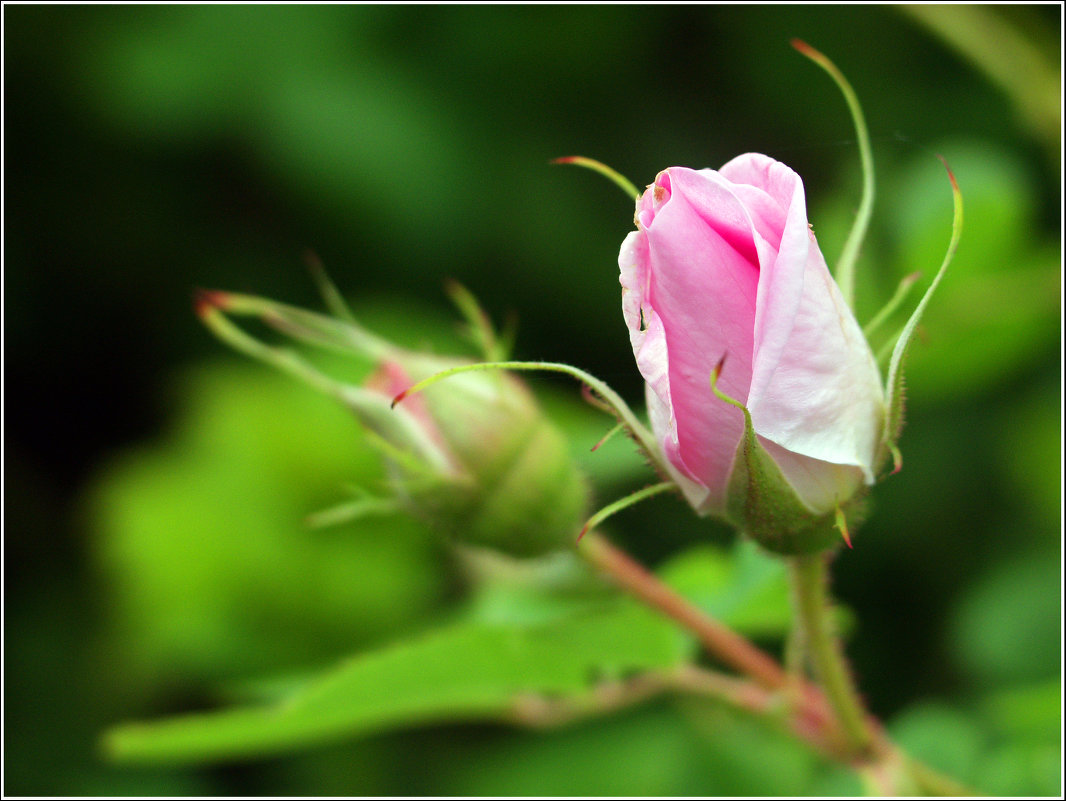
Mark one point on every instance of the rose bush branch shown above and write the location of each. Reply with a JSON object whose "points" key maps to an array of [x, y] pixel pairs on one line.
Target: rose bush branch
{"points": [[720, 641], [852, 737], [686, 680], [809, 574]]}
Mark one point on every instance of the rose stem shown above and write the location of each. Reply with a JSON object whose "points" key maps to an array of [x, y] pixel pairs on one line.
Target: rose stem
{"points": [[742, 655], [809, 578], [721, 641]]}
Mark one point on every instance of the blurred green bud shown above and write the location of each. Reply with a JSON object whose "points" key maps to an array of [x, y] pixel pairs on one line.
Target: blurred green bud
{"points": [[473, 456], [510, 482]]}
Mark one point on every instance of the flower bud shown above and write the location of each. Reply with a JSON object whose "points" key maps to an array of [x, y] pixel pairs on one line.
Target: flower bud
{"points": [[473, 456], [723, 265], [510, 482]]}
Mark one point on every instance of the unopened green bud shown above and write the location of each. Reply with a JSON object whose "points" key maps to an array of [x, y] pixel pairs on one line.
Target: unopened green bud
{"points": [[473, 456], [513, 485]]}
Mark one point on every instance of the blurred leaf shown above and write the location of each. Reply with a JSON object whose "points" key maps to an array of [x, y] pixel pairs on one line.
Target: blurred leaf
{"points": [[210, 564], [507, 590], [944, 738], [673, 749], [1009, 745], [468, 671], [1027, 758], [1022, 770], [1007, 627], [1031, 451], [1028, 713]]}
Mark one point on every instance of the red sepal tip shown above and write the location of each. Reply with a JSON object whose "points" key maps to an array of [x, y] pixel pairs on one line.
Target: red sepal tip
{"points": [[584, 531], [565, 160], [951, 175], [717, 371], [399, 398], [603, 439], [205, 301]]}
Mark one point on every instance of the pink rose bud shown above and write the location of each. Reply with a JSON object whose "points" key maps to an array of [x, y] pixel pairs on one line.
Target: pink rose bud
{"points": [[724, 264]]}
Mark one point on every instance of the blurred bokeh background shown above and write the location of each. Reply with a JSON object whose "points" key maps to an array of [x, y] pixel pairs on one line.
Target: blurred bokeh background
{"points": [[155, 484]]}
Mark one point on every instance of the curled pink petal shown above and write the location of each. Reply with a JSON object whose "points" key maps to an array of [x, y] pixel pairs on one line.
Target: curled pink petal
{"points": [[725, 262]]}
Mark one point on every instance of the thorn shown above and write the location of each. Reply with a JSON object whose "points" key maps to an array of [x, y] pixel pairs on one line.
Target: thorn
{"points": [[565, 160], [399, 398], [842, 525], [584, 531]]}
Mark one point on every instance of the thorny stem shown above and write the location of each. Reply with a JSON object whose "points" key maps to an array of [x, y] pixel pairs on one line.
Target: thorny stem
{"points": [[851, 736], [812, 718], [809, 577], [538, 711], [722, 642]]}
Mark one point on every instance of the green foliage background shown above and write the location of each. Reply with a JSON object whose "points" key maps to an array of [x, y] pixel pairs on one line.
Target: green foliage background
{"points": [[155, 485]]}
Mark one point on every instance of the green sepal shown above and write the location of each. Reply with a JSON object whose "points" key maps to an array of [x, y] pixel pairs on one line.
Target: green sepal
{"points": [[894, 383], [764, 506], [619, 180]]}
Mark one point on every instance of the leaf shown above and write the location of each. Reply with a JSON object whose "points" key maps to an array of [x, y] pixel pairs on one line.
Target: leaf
{"points": [[1031, 713], [1006, 628], [944, 738], [209, 565], [468, 671]]}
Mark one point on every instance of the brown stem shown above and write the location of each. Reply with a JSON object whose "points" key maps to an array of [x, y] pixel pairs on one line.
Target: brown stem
{"points": [[722, 642], [812, 717], [812, 720]]}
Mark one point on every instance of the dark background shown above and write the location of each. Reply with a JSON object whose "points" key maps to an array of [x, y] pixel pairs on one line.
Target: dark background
{"points": [[152, 150]]}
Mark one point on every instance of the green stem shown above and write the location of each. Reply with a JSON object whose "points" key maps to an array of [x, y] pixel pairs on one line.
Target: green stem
{"points": [[809, 575]]}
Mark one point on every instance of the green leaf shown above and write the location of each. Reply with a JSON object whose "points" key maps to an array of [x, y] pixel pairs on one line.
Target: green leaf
{"points": [[943, 738], [1006, 627], [1032, 713], [468, 671], [209, 564]]}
